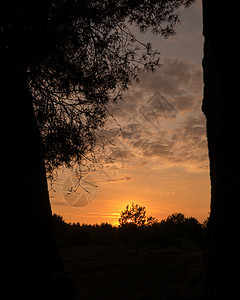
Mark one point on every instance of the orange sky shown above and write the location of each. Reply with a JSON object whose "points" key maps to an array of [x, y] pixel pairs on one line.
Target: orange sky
{"points": [[160, 160]]}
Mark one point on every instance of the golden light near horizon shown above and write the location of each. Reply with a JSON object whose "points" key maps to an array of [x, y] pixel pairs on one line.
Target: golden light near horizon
{"points": [[129, 221], [159, 155]]}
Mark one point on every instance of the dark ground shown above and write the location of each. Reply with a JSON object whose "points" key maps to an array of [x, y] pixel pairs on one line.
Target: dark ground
{"points": [[121, 273]]}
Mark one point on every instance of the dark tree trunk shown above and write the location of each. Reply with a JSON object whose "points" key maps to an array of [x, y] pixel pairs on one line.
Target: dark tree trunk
{"points": [[221, 106], [33, 257]]}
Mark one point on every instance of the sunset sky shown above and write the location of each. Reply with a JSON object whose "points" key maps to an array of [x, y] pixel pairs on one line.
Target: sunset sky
{"points": [[160, 159]]}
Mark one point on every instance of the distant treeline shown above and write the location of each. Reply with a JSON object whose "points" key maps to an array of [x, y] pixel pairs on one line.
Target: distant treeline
{"points": [[176, 231]]}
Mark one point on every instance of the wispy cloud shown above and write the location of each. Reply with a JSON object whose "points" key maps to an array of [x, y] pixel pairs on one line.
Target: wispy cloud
{"points": [[122, 179]]}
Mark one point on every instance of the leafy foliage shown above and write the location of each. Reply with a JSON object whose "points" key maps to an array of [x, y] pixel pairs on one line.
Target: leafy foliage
{"points": [[77, 57]]}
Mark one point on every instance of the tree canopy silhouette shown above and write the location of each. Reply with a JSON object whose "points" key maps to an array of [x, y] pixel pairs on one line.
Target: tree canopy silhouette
{"points": [[135, 215], [176, 230], [77, 56]]}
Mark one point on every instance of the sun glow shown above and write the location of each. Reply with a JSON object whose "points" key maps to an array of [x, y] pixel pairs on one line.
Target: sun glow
{"points": [[129, 221]]}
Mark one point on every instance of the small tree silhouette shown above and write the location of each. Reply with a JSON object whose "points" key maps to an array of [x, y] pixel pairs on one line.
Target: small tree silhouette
{"points": [[135, 215], [176, 218], [132, 219]]}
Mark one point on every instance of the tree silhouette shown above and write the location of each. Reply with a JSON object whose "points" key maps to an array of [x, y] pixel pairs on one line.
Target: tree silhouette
{"points": [[62, 62], [132, 219], [221, 106], [176, 218], [135, 215]]}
